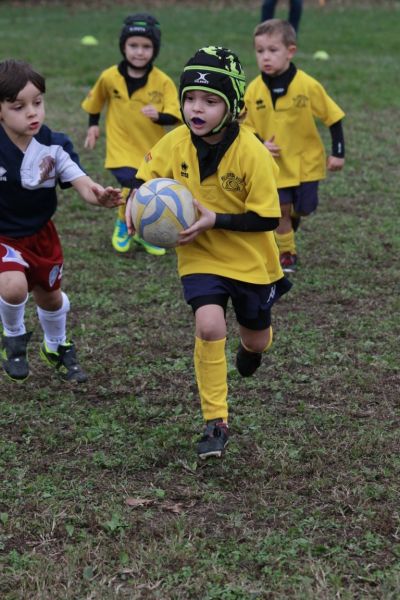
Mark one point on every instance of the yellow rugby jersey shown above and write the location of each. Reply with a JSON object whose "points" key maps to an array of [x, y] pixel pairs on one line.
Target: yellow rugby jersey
{"points": [[129, 134], [293, 124], [245, 181]]}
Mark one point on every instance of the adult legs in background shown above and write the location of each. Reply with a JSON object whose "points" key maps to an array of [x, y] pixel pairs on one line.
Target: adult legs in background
{"points": [[268, 9], [295, 10]]}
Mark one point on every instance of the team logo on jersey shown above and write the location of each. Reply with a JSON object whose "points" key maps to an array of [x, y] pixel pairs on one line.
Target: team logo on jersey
{"points": [[116, 94], [184, 169], [232, 183], [156, 97], [46, 169], [13, 256], [148, 157], [260, 104], [3, 172], [202, 78], [300, 101], [55, 273]]}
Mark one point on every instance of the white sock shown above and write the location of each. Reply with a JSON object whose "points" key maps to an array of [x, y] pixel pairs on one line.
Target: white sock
{"points": [[54, 324], [12, 317]]}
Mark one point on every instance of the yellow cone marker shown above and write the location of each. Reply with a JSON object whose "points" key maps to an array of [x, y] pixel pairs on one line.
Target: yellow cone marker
{"points": [[89, 40]]}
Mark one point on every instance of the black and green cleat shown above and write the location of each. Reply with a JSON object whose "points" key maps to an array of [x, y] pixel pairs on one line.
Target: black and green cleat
{"points": [[64, 361]]}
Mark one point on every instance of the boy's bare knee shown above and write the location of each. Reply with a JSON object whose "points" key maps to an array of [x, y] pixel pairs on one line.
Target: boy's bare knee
{"points": [[13, 287], [47, 300], [210, 331], [258, 341], [210, 323]]}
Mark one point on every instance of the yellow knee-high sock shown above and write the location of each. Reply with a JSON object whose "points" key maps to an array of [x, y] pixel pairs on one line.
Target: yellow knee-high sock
{"points": [[211, 376], [286, 242], [121, 212], [121, 209]]}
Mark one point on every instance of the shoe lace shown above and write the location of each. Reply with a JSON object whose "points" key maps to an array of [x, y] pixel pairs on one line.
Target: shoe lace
{"points": [[15, 347], [68, 357], [215, 429]]}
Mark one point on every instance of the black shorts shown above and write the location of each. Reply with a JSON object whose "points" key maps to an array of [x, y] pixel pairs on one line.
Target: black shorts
{"points": [[304, 197], [251, 302]]}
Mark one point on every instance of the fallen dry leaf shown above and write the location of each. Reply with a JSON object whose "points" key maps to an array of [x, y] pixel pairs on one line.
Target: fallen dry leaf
{"points": [[138, 502], [175, 507]]}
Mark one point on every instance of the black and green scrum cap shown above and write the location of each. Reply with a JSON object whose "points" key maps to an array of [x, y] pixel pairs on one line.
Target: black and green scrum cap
{"points": [[144, 25], [217, 70]]}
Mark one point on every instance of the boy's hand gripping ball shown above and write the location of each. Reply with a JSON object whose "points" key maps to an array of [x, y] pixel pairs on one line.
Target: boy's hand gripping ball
{"points": [[161, 208]]}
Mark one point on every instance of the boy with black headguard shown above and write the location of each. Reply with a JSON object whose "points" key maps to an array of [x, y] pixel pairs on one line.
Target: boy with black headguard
{"points": [[230, 252], [141, 100]]}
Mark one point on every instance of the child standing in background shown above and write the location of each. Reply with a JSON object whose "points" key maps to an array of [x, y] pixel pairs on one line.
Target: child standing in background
{"points": [[141, 100], [33, 160], [230, 252], [282, 104]]}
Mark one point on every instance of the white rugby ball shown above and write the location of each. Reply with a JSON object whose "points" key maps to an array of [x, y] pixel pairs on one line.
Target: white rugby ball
{"points": [[161, 208]]}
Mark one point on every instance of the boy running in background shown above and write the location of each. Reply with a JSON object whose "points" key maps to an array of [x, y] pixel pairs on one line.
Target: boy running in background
{"points": [[230, 252], [282, 104], [33, 159], [141, 100]]}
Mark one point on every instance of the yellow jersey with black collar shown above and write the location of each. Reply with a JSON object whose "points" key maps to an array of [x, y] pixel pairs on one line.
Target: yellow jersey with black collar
{"points": [[129, 133], [292, 123], [245, 180]]}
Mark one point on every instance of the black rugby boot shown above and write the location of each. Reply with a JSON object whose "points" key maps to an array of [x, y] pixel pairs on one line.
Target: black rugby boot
{"points": [[14, 356], [64, 361], [214, 439], [247, 362]]}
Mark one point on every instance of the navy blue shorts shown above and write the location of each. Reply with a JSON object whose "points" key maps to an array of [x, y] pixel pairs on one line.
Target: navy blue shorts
{"points": [[125, 176], [251, 302], [304, 197]]}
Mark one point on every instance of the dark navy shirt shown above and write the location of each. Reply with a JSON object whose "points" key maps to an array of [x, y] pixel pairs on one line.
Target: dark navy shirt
{"points": [[28, 180]]}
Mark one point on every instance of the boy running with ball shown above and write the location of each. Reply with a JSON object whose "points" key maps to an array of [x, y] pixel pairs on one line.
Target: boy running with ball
{"points": [[230, 252]]}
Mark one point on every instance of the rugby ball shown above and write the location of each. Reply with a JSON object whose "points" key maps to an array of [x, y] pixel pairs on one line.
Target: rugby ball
{"points": [[161, 208]]}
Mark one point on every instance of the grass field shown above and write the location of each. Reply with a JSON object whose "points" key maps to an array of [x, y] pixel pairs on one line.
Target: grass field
{"points": [[101, 496]]}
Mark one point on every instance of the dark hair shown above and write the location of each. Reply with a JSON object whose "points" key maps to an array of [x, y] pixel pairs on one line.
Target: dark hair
{"points": [[14, 75]]}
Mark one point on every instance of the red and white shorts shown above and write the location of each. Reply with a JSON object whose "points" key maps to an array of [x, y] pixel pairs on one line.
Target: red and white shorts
{"points": [[39, 256]]}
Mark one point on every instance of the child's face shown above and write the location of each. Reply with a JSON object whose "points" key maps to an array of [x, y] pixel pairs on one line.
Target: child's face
{"points": [[203, 111], [23, 118], [139, 51], [273, 57]]}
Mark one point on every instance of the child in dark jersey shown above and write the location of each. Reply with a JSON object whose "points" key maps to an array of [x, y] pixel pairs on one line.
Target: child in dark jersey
{"points": [[33, 159]]}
